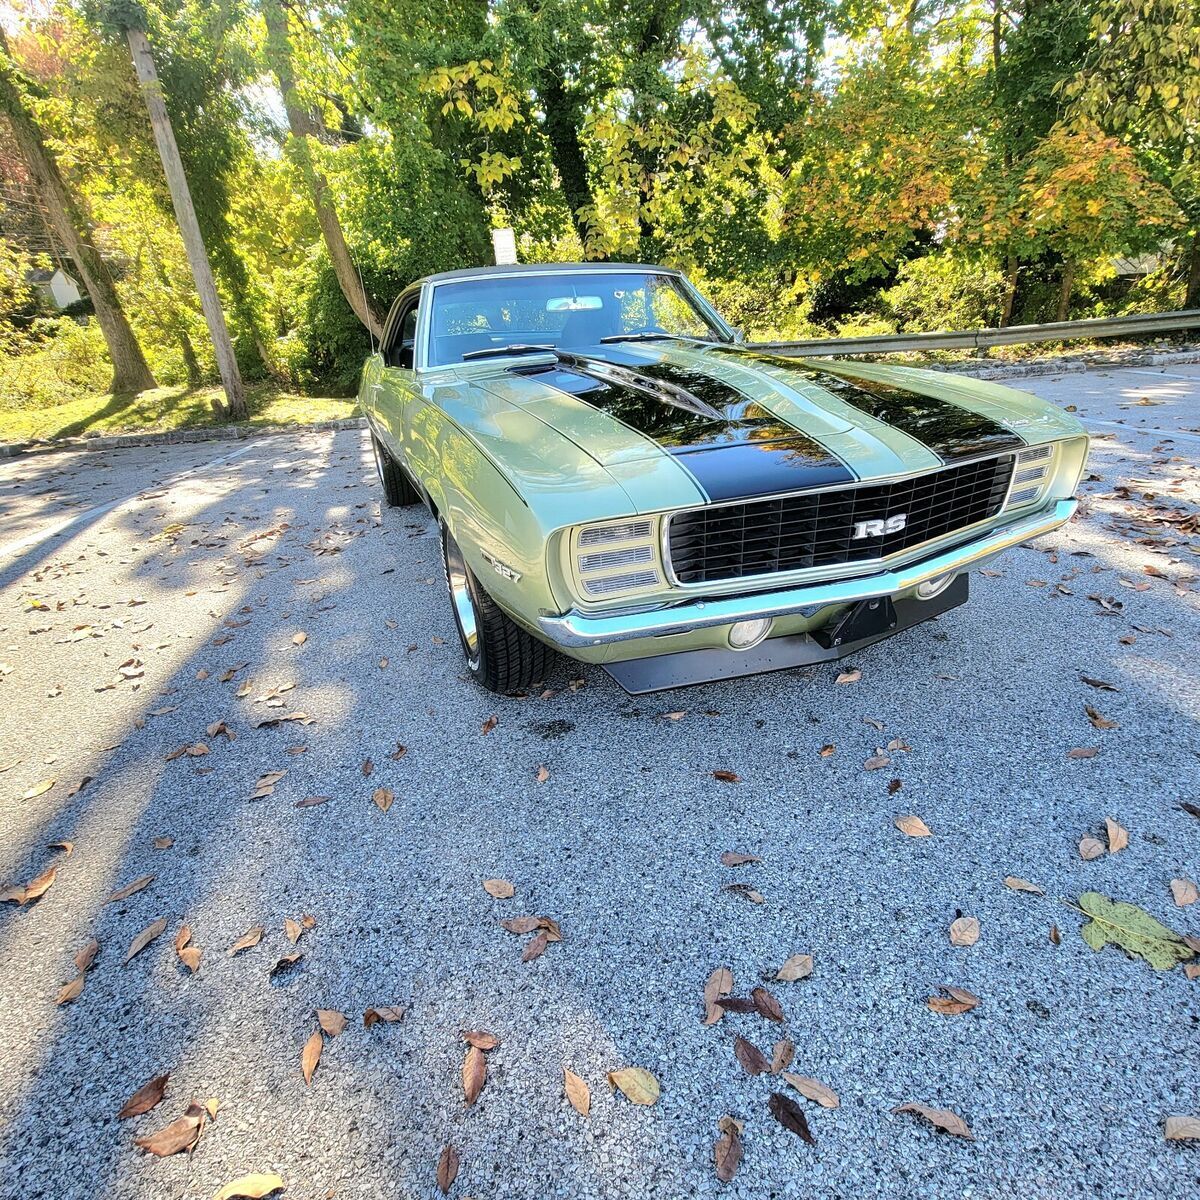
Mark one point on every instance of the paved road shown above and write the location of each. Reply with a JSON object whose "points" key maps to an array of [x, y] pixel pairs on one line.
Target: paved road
{"points": [[202, 565]]}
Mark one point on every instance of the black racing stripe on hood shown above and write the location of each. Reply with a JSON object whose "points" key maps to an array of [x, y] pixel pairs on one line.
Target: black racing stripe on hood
{"points": [[739, 452], [952, 432]]}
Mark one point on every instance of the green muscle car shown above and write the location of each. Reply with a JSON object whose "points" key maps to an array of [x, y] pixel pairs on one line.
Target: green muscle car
{"points": [[618, 478]]}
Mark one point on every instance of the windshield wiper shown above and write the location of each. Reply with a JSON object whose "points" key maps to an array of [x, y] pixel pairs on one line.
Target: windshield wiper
{"points": [[638, 337], [517, 348]]}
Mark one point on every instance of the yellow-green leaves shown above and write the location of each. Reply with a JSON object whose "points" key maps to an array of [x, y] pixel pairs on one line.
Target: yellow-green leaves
{"points": [[636, 1084], [1133, 930]]}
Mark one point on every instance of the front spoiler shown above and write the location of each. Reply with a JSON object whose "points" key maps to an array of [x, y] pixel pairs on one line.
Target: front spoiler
{"points": [[689, 667], [576, 628]]}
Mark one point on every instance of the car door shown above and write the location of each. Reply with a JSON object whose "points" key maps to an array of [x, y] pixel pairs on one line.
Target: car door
{"points": [[397, 390]]}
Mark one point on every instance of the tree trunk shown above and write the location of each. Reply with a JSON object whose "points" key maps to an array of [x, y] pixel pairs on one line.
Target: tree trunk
{"points": [[562, 133], [303, 126], [1011, 267], [130, 372], [1064, 291], [1192, 299], [189, 228], [190, 361]]}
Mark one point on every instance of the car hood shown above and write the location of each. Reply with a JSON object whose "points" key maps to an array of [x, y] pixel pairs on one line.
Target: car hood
{"points": [[743, 423]]}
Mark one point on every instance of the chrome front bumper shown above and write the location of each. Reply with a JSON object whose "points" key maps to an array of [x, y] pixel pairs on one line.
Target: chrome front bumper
{"points": [[583, 629]]}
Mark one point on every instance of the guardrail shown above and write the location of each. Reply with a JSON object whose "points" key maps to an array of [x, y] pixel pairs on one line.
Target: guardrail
{"points": [[1136, 325]]}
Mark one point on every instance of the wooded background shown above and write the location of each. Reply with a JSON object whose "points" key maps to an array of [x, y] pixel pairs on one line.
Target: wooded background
{"points": [[816, 165]]}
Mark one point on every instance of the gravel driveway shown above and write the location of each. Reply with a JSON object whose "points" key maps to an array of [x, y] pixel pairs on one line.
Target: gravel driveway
{"points": [[187, 591]]}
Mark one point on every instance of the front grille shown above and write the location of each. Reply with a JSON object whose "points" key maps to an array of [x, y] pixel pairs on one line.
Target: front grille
{"points": [[793, 533]]}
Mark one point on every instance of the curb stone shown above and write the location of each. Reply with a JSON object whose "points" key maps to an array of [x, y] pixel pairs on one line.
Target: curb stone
{"points": [[116, 441]]}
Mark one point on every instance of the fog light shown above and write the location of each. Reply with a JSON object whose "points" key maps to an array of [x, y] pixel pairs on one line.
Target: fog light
{"points": [[746, 634], [934, 587]]}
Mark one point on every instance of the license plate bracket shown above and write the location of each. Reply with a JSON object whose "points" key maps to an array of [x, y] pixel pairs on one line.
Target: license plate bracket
{"points": [[871, 618]]}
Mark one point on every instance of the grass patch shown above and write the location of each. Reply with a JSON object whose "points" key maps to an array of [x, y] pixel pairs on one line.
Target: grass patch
{"points": [[165, 409]]}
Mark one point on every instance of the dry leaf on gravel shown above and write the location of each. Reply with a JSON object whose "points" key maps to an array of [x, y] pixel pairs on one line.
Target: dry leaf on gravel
{"points": [[782, 1054], [851, 676], [1118, 835], [68, 848], [188, 954], [298, 639], [1098, 720], [181, 1134], [312, 801], [719, 983], [266, 784], [71, 991], [964, 931], [480, 1038], [912, 826], [1099, 683], [535, 948], [38, 789], [250, 1187], [799, 966], [474, 1074], [388, 1013], [943, 1118], [86, 955], [383, 797], [750, 1056], [957, 1000], [489, 724], [745, 890], [286, 963], [311, 1055], [499, 889], [1184, 892], [813, 1089], [447, 1168], [146, 1097], [766, 1004], [144, 938], [1022, 885], [332, 1021], [250, 938], [1090, 848], [543, 773], [636, 1084], [130, 888], [163, 843], [1083, 752], [727, 776], [734, 858], [727, 1152], [578, 1093], [1178, 1129], [791, 1116], [876, 762], [34, 889], [1055, 936]]}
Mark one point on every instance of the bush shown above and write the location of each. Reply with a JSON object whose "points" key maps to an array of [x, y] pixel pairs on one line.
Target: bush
{"points": [[63, 360], [939, 292]]}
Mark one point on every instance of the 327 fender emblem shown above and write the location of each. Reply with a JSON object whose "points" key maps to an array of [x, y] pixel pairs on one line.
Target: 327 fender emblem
{"points": [[892, 524]]}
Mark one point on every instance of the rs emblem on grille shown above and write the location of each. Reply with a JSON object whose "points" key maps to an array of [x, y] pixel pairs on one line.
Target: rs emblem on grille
{"points": [[892, 524]]}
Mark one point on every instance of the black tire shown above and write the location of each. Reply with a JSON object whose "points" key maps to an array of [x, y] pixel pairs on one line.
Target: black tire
{"points": [[397, 489], [500, 654]]}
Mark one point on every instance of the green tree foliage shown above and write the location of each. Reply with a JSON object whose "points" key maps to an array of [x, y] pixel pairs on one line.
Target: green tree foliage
{"points": [[816, 164]]}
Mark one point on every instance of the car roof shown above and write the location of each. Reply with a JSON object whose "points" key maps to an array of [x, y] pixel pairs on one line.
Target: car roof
{"points": [[541, 269]]}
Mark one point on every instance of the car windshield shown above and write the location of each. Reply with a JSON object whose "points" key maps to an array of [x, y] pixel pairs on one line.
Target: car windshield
{"points": [[564, 310]]}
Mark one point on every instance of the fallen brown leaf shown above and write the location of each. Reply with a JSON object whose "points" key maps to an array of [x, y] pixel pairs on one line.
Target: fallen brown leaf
{"points": [[298, 639], [578, 1093], [753, 1060], [481, 1038], [86, 955], [188, 954], [727, 1152], [389, 1013], [1099, 720], [163, 843], [474, 1074], [332, 1021], [489, 724], [964, 931], [1118, 835], [1083, 752], [543, 773], [1179, 1129], [719, 983], [1184, 892], [853, 675], [499, 889], [1099, 683], [813, 1089], [799, 966], [912, 826], [535, 948], [1022, 885], [36, 888], [250, 938], [791, 1116], [286, 963], [179, 1135], [766, 1004], [130, 888], [1055, 936], [876, 762], [311, 1055], [292, 930], [447, 1168], [956, 1001], [144, 938], [943, 1118], [146, 1097], [733, 858], [383, 797], [727, 776], [744, 889], [71, 991], [782, 1054], [1090, 848]]}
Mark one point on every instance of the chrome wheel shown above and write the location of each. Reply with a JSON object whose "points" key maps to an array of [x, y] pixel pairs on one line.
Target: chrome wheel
{"points": [[457, 580]]}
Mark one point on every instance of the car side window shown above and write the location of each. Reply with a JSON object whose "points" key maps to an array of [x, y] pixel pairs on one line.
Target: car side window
{"points": [[403, 348]]}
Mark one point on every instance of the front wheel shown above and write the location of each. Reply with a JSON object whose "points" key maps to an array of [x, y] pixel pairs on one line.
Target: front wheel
{"points": [[397, 490], [501, 655]]}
